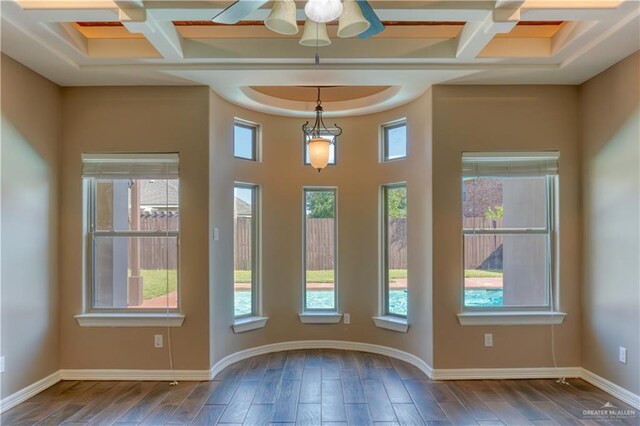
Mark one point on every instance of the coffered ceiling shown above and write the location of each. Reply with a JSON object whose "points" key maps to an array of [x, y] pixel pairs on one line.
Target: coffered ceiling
{"points": [[131, 42]]}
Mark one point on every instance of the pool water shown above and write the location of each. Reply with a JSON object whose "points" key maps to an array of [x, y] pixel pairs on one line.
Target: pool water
{"points": [[322, 299]]}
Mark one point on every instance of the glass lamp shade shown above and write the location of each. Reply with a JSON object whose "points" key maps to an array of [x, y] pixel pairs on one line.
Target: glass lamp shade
{"points": [[323, 10], [315, 34], [319, 153], [282, 19], [352, 21]]}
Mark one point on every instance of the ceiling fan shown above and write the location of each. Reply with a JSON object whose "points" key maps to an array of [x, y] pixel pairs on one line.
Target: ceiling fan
{"points": [[356, 18]]}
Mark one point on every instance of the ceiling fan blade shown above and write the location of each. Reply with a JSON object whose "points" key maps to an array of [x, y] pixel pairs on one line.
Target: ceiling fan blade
{"points": [[376, 25], [237, 11]]}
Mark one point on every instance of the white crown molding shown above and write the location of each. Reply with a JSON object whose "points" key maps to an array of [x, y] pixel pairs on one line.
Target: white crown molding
{"points": [[30, 391], [611, 388]]}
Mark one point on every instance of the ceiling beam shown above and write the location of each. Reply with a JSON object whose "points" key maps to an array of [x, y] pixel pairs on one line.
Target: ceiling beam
{"points": [[161, 34]]}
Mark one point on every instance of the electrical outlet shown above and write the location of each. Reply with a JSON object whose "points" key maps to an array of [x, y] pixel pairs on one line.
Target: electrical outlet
{"points": [[488, 340], [1, 364], [622, 355], [157, 341], [346, 318], [216, 234]]}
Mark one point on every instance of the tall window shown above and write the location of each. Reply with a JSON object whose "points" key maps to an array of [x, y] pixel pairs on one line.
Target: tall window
{"points": [[394, 248], [320, 228], [133, 231], [245, 221], [394, 141], [332, 149], [245, 141], [508, 224]]}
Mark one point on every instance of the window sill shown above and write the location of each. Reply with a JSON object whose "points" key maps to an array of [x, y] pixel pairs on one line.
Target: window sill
{"points": [[130, 320], [242, 325], [392, 323], [512, 318], [320, 317]]}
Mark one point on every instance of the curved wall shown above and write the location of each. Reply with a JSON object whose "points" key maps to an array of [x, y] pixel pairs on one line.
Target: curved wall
{"points": [[358, 176]]}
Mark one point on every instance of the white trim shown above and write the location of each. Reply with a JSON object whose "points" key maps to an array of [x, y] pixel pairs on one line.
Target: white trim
{"points": [[321, 344], [611, 388], [511, 318], [130, 320], [249, 323], [135, 375], [504, 373], [30, 391], [320, 317], [392, 323]]}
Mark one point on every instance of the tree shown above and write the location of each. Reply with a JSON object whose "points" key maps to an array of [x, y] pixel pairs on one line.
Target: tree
{"points": [[320, 204], [496, 213], [397, 199]]}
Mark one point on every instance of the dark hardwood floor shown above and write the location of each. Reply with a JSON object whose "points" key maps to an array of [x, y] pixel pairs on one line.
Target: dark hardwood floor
{"points": [[318, 387]]}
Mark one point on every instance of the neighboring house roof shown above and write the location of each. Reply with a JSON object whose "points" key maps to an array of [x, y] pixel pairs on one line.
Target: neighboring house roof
{"points": [[480, 195], [156, 193], [242, 207]]}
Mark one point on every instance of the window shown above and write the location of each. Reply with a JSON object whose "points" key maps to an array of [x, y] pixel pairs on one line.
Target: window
{"points": [[332, 149], [320, 249], [394, 141], [508, 224], [394, 249], [245, 223], [133, 231], [245, 141]]}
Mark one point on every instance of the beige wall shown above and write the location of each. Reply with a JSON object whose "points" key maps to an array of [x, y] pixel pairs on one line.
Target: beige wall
{"points": [[136, 119], [610, 131], [502, 118], [30, 164], [358, 177]]}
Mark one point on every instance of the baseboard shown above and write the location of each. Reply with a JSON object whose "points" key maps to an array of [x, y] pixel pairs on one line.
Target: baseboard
{"points": [[137, 375], [611, 388], [504, 373], [321, 344], [31, 390]]}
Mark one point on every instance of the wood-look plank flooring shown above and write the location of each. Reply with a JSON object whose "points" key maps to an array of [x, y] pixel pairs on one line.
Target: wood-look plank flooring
{"points": [[316, 387]]}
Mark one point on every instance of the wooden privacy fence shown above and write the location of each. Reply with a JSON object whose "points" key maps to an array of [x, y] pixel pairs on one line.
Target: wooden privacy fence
{"points": [[481, 251]]}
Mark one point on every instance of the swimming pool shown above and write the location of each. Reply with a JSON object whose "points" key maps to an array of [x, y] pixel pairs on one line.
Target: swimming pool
{"points": [[397, 300]]}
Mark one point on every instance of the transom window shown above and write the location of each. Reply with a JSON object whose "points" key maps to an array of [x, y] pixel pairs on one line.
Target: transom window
{"points": [[320, 229], [133, 231], [508, 224], [245, 140], [394, 141]]}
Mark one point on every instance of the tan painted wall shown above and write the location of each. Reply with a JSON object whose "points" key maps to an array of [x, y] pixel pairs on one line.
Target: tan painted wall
{"points": [[610, 131], [136, 119], [358, 177], [30, 163], [507, 118]]}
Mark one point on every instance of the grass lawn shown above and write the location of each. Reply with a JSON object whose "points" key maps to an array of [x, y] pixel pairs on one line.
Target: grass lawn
{"points": [[155, 282], [480, 273]]}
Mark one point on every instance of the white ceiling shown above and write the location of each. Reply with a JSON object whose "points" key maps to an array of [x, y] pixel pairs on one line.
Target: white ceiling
{"points": [[598, 34]]}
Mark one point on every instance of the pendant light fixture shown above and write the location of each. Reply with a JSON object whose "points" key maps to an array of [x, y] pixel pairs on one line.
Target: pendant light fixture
{"points": [[323, 10], [320, 138]]}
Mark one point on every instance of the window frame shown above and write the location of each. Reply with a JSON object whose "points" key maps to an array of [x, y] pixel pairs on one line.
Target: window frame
{"points": [[90, 184], [305, 190], [384, 153], [549, 231], [256, 308], [306, 138], [255, 129], [384, 249]]}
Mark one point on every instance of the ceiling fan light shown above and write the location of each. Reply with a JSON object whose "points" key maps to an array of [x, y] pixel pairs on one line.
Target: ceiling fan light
{"points": [[352, 21], [323, 11], [315, 34], [282, 19], [319, 150]]}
